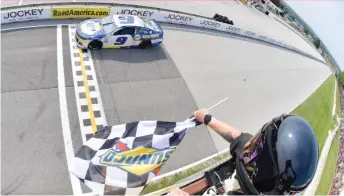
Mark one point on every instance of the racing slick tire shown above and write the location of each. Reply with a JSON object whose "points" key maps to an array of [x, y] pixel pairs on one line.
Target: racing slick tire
{"points": [[95, 45], [145, 44]]}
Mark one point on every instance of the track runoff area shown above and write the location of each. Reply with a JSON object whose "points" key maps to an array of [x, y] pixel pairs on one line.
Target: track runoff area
{"points": [[55, 95]]}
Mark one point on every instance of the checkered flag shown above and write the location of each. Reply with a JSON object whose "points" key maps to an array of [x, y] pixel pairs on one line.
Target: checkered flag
{"points": [[122, 159]]}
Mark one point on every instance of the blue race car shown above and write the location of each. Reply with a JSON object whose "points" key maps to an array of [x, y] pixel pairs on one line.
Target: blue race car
{"points": [[118, 31]]}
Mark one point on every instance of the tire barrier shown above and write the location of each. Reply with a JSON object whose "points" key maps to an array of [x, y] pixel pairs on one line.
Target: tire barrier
{"points": [[224, 19]]}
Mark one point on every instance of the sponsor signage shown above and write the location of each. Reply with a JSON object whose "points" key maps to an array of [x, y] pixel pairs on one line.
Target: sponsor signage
{"points": [[250, 34], [178, 18], [136, 12], [210, 24], [232, 29], [25, 15], [80, 12]]}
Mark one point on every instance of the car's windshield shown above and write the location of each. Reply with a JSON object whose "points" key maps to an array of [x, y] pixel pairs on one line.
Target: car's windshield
{"points": [[107, 20], [148, 24], [108, 24]]}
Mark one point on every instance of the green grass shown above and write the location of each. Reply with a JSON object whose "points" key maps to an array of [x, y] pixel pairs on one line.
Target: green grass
{"points": [[330, 168], [338, 102], [317, 110], [331, 162], [171, 180]]}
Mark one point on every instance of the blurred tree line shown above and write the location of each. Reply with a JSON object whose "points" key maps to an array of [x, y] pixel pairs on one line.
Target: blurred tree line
{"points": [[316, 42]]}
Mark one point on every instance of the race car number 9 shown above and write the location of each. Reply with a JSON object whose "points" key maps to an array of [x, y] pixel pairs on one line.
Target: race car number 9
{"points": [[121, 40]]}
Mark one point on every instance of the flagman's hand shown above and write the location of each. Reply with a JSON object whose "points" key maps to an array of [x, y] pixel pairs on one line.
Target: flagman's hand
{"points": [[177, 192], [199, 114], [226, 131]]}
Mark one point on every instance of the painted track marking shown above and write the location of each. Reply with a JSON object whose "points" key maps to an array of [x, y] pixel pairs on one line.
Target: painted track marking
{"points": [[67, 139], [90, 108], [87, 92]]}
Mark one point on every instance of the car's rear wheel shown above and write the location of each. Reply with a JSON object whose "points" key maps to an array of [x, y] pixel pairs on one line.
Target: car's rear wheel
{"points": [[145, 44], [95, 45]]}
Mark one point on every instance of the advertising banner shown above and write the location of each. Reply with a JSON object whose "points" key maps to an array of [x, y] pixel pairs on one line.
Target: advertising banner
{"points": [[79, 12], [210, 24], [25, 14], [140, 12], [177, 18], [160, 16]]}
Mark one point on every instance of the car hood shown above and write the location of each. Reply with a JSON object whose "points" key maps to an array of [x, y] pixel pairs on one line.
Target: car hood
{"points": [[91, 29]]}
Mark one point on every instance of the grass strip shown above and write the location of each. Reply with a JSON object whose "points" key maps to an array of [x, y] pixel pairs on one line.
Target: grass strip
{"points": [[331, 162], [330, 168]]}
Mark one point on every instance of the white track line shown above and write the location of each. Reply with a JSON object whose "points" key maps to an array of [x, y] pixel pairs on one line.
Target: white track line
{"points": [[30, 27], [64, 112]]}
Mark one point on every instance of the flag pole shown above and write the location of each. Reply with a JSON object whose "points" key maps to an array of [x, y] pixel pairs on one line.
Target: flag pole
{"points": [[218, 103], [212, 107]]}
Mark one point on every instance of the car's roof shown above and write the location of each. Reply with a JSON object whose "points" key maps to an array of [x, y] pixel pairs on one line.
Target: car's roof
{"points": [[128, 21]]}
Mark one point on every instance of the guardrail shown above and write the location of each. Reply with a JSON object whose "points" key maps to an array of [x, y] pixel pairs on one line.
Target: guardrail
{"points": [[71, 10]]}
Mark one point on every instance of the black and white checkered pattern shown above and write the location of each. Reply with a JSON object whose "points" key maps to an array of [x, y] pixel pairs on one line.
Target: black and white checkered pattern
{"points": [[103, 179], [80, 77]]}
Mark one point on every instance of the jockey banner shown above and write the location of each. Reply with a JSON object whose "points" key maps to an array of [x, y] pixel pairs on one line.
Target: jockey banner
{"points": [[25, 14]]}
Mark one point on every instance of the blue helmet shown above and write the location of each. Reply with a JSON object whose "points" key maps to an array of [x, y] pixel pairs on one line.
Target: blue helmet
{"points": [[281, 158]]}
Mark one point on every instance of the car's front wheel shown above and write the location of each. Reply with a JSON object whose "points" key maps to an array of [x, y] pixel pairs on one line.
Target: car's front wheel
{"points": [[95, 45], [145, 44]]}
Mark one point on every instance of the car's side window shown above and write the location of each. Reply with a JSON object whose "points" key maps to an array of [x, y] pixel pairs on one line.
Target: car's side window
{"points": [[119, 32], [125, 31], [128, 31], [142, 31]]}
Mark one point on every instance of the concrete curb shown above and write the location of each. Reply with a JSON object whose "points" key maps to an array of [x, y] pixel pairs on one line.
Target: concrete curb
{"points": [[312, 188]]}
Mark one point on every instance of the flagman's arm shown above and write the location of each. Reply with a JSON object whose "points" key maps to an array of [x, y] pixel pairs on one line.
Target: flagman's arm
{"points": [[226, 131]]}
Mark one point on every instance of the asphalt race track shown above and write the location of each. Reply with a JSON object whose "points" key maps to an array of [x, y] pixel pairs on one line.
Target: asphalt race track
{"points": [[193, 68], [33, 157]]}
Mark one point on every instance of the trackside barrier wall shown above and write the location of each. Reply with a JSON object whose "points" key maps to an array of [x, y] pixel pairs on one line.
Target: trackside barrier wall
{"points": [[25, 14], [98, 10]]}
